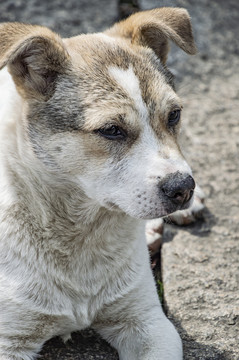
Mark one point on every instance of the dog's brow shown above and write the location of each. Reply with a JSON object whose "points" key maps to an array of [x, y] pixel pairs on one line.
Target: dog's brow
{"points": [[121, 118]]}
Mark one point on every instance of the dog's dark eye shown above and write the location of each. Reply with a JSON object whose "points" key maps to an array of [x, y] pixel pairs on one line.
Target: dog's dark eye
{"points": [[174, 117], [112, 132]]}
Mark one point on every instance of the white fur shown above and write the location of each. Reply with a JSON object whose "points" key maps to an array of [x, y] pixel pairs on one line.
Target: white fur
{"points": [[130, 83], [94, 272]]}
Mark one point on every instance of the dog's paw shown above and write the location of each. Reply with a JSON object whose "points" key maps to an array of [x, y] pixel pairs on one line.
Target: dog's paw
{"points": [[66, 337], [185, 217], [154, 233]]}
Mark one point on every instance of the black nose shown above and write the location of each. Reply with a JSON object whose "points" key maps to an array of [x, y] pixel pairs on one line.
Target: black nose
{"points": [[178, 188]]}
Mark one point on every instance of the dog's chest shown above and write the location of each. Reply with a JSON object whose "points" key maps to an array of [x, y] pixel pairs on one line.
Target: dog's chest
{"points": [[100, 275], [78, 277], [99, 278]]}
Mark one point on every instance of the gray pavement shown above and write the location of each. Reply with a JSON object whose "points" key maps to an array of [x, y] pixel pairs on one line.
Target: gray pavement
{"points": [[200, 267], [200, 263]]}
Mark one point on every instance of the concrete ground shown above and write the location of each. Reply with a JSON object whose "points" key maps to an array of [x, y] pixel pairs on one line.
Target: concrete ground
{"points": [[200, 269]]}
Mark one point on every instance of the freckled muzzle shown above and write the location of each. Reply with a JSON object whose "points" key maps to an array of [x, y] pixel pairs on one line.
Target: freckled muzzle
{"points": [[177, 190]]}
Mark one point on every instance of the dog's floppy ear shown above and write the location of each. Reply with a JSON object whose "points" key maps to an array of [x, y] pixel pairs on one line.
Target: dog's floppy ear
{"points": [[35, 56], [153, 28]]}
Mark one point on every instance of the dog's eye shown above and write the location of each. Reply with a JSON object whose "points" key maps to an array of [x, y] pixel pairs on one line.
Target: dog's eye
{"points": [[112, 132], [174, 117]]}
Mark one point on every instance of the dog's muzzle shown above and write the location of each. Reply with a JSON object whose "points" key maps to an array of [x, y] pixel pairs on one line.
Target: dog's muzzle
{"points": [[177, 189]]}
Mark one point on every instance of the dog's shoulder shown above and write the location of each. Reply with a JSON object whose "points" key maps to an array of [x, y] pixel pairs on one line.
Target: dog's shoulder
{"points": [[10, 103]]}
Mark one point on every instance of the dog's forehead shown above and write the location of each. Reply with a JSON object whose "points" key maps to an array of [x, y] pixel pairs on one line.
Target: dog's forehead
{"points": [[96, 55], [114, 75]]}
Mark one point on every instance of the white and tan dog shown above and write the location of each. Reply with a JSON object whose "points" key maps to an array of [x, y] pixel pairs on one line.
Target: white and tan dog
{"points": [[88, 147]]}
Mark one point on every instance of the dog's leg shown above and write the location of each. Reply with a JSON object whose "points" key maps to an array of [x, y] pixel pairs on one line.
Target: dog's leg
{"points": [[23, 330], [137, 327], [154, 232]]}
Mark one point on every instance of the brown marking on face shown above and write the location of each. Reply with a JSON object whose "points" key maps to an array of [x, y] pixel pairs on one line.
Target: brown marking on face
{"points": [[159, 120], [101, 147]]}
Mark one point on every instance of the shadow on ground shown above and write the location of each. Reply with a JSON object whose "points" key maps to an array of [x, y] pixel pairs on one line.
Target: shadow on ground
{"points": [[88, 341], [202, 227], [85, 345]]}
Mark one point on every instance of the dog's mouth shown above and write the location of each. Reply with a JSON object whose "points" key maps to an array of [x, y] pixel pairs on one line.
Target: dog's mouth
{"points": [[170, 206], [163, 207], [173, 194]]}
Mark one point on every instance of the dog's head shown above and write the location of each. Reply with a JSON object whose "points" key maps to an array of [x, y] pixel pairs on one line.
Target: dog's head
{"points": [[100, 110]]}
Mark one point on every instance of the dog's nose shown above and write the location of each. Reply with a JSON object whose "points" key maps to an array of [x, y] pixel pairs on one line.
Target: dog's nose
{"points": [[178, 188]]}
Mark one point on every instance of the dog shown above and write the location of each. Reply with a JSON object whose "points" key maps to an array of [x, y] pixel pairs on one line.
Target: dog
{"points": [[88, 152]]}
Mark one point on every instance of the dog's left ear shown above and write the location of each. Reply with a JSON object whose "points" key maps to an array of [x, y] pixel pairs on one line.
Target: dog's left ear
{"points": [[35, 57], [153, 28]]}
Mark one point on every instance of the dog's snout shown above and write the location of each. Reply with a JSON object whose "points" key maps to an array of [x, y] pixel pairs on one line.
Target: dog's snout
{"points": [[178, 188]]}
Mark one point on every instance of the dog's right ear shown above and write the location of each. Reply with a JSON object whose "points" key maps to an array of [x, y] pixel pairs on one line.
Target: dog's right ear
{"points": [[153, 29], [35, 56]]}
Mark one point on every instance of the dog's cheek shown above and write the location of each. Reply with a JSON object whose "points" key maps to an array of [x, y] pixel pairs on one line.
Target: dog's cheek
{"points": [[123, 186], [66, 153]]}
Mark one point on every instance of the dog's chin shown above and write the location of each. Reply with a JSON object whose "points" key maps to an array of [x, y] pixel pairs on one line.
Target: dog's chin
{"points": [[144, 215], [159, 212]]}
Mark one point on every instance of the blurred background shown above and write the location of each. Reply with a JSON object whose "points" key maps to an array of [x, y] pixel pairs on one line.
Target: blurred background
{"points": [[199, 267]]}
